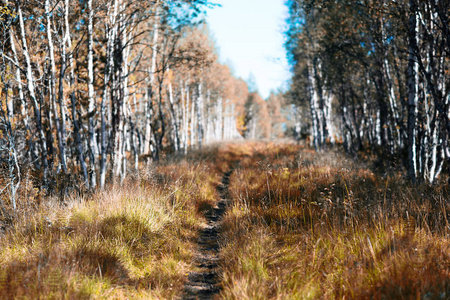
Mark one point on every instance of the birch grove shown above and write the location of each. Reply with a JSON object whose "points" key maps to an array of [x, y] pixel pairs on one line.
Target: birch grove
{"points": [[92, 87], [384, 68]]}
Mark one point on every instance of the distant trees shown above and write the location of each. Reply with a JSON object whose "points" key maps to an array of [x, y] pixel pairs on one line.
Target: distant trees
{"points": [[90, 87], [375, 74], [257, 123], [278, 110]]}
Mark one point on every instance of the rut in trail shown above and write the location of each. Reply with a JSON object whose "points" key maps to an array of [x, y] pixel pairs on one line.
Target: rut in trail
{"points": [[205, 284]]}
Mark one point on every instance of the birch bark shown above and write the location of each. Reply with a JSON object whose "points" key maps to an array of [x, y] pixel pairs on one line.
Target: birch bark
{"points": [[110, 37], [412, 91], [174, 118], [151, 87], [24, 110], [32, 92], [314, 99], [76, 126], [91, 96], [199, 108], [51, 50], [186, 119]]}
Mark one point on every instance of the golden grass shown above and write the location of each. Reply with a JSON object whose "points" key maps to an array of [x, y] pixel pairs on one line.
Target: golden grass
{"points": [[303, 225], [134, 241], [306, 225]]}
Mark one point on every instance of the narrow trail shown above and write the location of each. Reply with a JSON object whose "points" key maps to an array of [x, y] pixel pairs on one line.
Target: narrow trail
{"points": [[205, 284]]}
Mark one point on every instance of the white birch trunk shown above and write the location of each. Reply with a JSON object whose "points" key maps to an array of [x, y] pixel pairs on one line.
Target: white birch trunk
{"points": [[34, 101], [134, 133], [193, 122], [52, 82], [412, 93], [61, 98], [328, 115], [149, 115], [148, 119], [24, 110], [186, 119], [199, 107], [76, 129], [119, 89], [111, 35], [124, 79], [219, 121], [174, 119], [390, 87], [183, 123], [434, 156], [314, 99], [378, 127], [91, 95]]}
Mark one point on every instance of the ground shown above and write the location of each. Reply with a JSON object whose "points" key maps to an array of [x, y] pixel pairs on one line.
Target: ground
{"points": [[256, 220]]}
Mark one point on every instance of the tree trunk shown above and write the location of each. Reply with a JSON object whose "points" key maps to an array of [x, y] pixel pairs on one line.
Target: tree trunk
{"points": [[173, 119], [52, 80], [24, 110], [199, 107], [91, 95], [76, 126], [193, 121], [219, 120], [34, 101], [122, 158], [186, 118], [151, 88], [314, 107], [412, 92], [111, 35]]}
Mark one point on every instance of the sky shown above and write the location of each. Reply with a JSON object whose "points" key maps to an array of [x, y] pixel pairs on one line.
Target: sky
{"points": [[249, 36]]}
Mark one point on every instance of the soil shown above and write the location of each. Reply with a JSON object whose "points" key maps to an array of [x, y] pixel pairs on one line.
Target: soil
{"points": [[205, 284]]}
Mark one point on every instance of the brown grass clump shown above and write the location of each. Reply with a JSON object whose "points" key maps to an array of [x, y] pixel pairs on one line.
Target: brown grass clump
{"points": [[307, 225]]}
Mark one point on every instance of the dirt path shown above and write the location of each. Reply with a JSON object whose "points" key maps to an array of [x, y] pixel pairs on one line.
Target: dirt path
{"points": [[205, 284]]}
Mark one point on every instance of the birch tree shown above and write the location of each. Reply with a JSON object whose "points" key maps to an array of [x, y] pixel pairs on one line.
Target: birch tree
{"points": [[384, 68], [32, 93]]}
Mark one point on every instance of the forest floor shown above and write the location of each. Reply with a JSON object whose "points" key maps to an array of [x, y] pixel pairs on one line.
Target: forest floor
{"points": [[254, 220]]}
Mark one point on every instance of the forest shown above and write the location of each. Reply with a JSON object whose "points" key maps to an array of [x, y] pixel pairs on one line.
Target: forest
{"points": [[136, 164], [91, 87], [374, 75]]}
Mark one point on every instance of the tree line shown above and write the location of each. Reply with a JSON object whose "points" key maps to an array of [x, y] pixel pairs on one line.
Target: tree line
{"points": [[374, 75], [90, 87]]}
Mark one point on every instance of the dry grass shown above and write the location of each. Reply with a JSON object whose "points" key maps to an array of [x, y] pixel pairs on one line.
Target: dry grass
{"points": [[303, 225], [307, 225], [134, 241]]}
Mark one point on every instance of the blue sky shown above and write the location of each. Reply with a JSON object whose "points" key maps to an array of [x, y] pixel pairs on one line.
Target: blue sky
{"points": [[249, 36]]}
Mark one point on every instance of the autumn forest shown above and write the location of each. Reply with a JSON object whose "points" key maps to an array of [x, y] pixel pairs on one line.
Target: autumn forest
{"points": [[136, 164]]}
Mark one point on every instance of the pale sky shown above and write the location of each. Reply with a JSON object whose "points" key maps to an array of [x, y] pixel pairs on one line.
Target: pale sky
{"points": [[249, 35]]}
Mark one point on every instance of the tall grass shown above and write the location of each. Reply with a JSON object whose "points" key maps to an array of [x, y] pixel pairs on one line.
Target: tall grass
{"points": [[131, 241], [307, 225], [303, 225]]}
